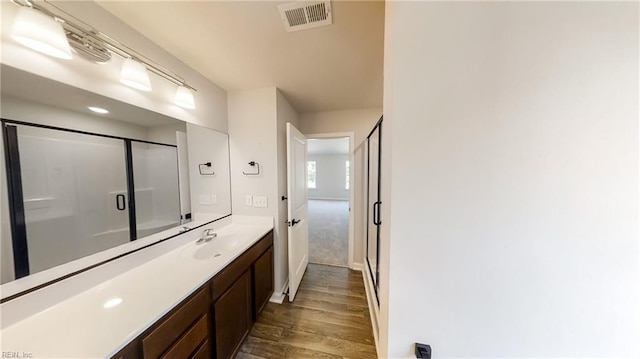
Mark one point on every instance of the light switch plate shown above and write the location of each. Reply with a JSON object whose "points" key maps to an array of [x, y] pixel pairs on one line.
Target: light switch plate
{"points": [[260, 201], [248, 200]]}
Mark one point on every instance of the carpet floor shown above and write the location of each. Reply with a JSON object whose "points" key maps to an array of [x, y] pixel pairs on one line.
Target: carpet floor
{"points": [[329, 232]]}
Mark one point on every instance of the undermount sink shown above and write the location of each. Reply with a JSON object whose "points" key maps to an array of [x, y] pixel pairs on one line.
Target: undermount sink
{"points": [[224, 241], [206, 251]]}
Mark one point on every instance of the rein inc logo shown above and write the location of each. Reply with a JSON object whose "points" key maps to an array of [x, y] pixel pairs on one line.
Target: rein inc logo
{"points": [[16, 354]]}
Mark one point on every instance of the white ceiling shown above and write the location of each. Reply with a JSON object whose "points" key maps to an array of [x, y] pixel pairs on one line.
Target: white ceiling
{"points": [[329, 146], [242, 45]]}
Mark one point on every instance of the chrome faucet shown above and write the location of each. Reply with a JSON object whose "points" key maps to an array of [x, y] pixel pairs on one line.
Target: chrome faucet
{"points": [[207, 235]]}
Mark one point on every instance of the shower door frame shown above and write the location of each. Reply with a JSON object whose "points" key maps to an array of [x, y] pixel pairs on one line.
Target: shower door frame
{"points": [[375, 277]]}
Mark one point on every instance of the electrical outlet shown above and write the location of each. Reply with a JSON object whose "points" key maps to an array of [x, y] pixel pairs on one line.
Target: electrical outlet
{"points": [[248, 200], [260, 201]]}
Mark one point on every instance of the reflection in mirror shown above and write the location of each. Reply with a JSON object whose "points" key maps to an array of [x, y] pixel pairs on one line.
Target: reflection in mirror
{"points": [[69, 184], [155, 178], [76, 183], [208, 171]]}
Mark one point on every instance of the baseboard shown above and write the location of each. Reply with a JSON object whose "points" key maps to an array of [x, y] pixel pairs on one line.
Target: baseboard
{"points": [[356, 266], [373, 311], [278, 296], [330, 199]]}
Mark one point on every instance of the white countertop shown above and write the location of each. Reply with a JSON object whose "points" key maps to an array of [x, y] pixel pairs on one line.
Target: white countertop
{"points": [[103, 319]]}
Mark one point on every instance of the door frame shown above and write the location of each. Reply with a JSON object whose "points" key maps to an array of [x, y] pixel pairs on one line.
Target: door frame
{"points": [[351, 136]]}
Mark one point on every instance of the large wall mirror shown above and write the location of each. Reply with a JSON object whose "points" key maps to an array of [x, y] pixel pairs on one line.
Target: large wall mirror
{"points": [[77, 184]]}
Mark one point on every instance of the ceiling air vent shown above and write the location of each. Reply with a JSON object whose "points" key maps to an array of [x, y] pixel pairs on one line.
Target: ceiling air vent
{"points": [[304, 15]]}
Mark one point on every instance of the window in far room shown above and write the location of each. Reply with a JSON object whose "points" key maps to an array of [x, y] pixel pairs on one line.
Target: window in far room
{"points": [[346, 186], [311, 174]]}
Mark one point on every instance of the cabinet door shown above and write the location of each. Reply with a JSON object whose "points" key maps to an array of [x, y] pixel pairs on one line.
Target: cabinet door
{"points": [[262, 281], [232, 317]]}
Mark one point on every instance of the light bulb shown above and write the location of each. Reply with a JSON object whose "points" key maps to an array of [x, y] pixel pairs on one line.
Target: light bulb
{"points": [[134, 74], [40, 32], [184, 98]]}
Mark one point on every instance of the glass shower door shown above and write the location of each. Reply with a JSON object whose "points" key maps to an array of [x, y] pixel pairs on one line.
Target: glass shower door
{"points": [[373, 205], [157, 193], [74, 190]]}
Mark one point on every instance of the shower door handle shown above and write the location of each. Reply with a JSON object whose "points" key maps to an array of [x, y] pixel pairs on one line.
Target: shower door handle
{"points": [[120, 202], [376, 213]]}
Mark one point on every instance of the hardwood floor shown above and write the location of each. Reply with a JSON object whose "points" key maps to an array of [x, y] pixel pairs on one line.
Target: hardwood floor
{"points": [[329, 318]]}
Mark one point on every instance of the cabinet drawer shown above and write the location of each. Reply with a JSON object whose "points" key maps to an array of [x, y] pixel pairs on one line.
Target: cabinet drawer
{"points": [[131, 351], [162, 337], [204, 352], [190, 341], [227, 276]]}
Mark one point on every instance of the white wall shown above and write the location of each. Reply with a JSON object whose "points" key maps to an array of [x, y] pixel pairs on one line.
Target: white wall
{"points": [[511, 162], [104, 79], [331, 175], [257, 121], [360, 122], [252, 137]]}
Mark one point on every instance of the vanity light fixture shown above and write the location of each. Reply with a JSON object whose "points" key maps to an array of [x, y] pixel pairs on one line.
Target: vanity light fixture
{"points": [[184, 98], [99, 110], [134, 74], [47, 28], [40, 32]]}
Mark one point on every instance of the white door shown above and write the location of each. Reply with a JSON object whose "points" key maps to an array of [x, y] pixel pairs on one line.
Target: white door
{"points": [[297, 207]]}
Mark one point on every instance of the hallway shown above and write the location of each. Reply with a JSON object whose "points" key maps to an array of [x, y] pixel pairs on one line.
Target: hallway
{"points": [[328, 319]]}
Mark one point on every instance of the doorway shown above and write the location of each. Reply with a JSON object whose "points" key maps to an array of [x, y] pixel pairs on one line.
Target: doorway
{"points": [[330, 188]]}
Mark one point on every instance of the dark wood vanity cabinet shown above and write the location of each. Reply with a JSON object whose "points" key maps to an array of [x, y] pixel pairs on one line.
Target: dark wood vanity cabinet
{"points": [[214, 321], [181, 333]]}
